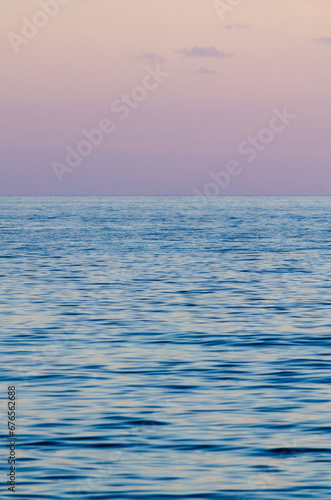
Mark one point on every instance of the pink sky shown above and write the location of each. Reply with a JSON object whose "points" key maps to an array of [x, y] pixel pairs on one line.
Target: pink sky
{"points": [[222, 80]]}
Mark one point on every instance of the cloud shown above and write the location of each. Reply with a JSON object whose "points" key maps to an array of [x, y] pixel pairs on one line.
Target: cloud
{"points": [[206, 71], [148, 56], [237, 26], [203, 52], [323, 41]]}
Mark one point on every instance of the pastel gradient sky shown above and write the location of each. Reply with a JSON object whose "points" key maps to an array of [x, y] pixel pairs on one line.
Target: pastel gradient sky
{"points": [[225, 78]]}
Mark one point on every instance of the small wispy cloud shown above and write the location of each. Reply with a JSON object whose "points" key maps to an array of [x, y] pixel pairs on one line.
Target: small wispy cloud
{"points": [[203, 52], [237, 26], [323, 40], [206, 71], [149, 56]]}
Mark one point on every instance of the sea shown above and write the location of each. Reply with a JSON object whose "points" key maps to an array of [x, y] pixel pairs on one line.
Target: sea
{"points": [[167, 348]]}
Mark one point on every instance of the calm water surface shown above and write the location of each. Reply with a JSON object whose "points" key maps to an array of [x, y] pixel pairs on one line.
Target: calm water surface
{"points": [[168, 348]]}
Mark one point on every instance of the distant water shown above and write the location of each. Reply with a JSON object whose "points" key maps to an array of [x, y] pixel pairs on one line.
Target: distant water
{"points": [[168, 348]]}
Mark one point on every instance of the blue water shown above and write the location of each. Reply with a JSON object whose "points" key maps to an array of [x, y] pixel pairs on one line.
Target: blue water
{"points": [[168, 348]]}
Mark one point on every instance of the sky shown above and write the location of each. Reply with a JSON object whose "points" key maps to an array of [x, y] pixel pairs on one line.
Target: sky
{"points": [[165, 97]]}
